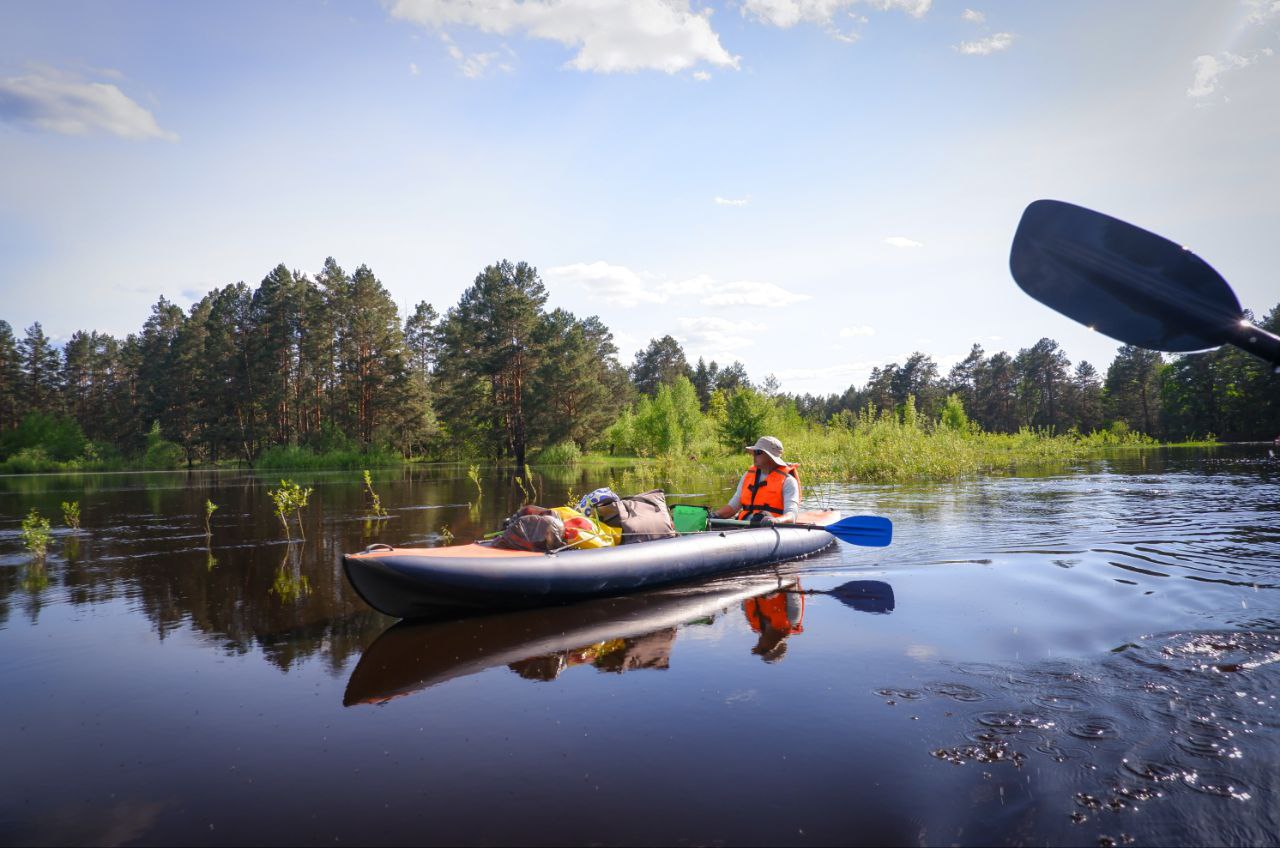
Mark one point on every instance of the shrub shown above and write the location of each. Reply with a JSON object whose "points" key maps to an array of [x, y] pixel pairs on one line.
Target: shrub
{"points": [[58, 437], [71, 514], [562, 453], [36, 533], [953, 416], [160, 452]]}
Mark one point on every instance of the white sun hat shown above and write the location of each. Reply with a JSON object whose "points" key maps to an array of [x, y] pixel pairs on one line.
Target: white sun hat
{"points": [[770, 446]]}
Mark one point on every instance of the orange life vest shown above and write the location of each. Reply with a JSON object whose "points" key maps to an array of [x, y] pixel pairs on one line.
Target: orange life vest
{"points": [[765, 495]]}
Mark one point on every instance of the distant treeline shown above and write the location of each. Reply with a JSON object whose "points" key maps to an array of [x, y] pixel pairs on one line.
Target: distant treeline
{"points": [[328, 366]]}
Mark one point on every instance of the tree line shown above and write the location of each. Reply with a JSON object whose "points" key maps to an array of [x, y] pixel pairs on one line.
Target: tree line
{"points": [[327, 363]]}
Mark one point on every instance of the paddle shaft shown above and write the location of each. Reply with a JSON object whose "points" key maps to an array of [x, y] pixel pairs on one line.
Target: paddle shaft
{"points": [[733, 522], [1259, 342]]}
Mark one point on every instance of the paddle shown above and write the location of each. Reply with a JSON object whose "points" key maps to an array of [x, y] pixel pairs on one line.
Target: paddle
{"points": [[1129, 284], [869, 531]]}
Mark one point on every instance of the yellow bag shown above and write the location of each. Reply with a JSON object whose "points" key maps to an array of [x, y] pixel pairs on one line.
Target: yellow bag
{"points": [[582, 532]]}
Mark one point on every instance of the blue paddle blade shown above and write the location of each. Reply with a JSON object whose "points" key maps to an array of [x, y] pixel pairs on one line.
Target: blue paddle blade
{"points": [[869, 531]]}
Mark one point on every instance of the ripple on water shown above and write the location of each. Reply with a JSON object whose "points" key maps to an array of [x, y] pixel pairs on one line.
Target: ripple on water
{"points": [[956, 691], [1061, 702], [1095, 727], [1014, 722], [1219, 785], [901, 694], [1156, 772]]}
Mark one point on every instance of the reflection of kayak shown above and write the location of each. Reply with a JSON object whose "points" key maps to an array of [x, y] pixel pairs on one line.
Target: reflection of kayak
{"points": [[409, 582], [410, 656]]}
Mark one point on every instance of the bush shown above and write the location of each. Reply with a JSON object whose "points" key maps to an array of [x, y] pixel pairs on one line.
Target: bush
{"points": [[953, 416], [57, 437], [563, 453], [162, 453]]}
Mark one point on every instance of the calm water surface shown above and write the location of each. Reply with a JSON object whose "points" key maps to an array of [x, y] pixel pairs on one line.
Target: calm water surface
{"points": [[1084, 657]]}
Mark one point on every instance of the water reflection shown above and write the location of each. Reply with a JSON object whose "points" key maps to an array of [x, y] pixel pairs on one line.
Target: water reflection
{"points": [[611, 634]]}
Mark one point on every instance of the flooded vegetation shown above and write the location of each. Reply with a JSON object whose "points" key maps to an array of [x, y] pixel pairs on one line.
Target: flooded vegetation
{"points": [[1084, 655]]}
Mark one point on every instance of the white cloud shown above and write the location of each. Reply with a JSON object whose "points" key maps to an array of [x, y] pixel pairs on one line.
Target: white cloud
{"points": [[850, 373], [721, 334], [1262, 10], [620, 285], [711, 292], [73, 107], [974, 17], [610, 35], [986, 46], [726, 201], [613, 283], [850, 332], [701, 76], [1207, 69], [413, 69], [902, 241], [826, 13]]}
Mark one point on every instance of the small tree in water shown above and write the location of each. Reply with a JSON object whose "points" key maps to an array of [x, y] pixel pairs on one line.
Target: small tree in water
{"points": [[36, 533], [71, 514], [377, 506], [209, 508], [290, 498]]}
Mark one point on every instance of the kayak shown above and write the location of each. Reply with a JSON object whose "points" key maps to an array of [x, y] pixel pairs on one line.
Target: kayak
{"points": [[414, 655], [416, 582]]}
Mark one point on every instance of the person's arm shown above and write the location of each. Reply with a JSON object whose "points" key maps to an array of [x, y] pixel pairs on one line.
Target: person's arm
{"points": [[790, 501], [735, 503]]}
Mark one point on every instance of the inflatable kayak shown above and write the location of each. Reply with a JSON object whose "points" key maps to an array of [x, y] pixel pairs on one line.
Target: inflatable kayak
{"points": [[415, 582]]}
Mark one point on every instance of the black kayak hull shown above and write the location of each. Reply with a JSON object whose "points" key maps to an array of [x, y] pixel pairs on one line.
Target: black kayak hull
{"points": [[414, 583]]}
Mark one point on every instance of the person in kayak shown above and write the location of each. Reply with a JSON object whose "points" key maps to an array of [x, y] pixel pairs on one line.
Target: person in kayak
{"points": [[769, 492]]}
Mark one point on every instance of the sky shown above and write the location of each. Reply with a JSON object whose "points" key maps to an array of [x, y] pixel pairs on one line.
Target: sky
{"points": [[811, 187]]}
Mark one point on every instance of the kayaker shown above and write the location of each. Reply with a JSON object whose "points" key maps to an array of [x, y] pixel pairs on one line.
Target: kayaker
{"points": [[769, 492]]}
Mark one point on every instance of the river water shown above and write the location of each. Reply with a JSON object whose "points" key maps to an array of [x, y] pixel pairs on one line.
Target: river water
{"points": [[1083, 656]]}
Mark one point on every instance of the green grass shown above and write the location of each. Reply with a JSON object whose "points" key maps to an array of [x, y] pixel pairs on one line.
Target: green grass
{"points": [[305, 459], [36, 461], [886, 450]]}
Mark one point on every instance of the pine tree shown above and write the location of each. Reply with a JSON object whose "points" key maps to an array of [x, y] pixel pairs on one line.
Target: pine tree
{"points": [[659, 364], [1132, 389], [487, 354], [10, 379], [41, 377]]}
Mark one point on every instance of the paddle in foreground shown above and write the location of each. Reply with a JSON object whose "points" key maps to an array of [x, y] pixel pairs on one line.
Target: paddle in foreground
{"points": [[1129, 284]]}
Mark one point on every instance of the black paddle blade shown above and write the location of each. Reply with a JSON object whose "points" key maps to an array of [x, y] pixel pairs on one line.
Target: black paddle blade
{"points": [[1120, 280]]}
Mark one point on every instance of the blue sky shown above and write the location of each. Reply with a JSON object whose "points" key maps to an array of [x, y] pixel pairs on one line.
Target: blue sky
{"points": [[813, 187]]}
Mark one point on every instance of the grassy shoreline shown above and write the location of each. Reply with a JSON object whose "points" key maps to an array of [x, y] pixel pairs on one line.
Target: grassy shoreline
{"points": [[881, 451]]}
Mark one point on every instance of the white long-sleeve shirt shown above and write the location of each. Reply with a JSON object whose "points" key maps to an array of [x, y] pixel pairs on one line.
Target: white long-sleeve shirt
{"points": [[790, 497]]}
